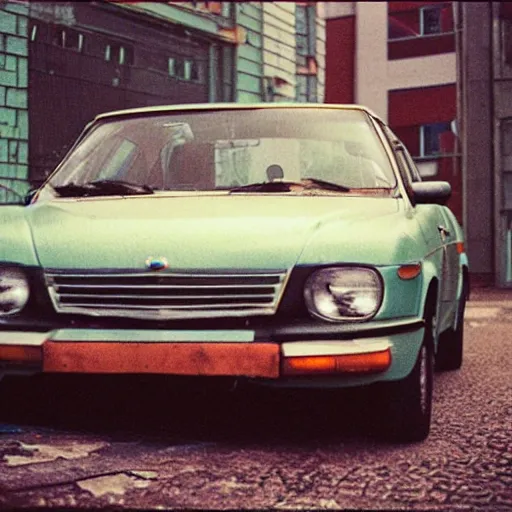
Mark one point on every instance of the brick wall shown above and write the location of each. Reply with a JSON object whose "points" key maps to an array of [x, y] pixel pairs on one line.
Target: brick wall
{"points": [[13, 98]]}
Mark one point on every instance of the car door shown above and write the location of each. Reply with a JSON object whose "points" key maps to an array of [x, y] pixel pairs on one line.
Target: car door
{"points": [[437, 227]]}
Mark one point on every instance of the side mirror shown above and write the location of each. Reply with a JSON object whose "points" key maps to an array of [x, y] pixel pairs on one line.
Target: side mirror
{"points": [[431, 192]]}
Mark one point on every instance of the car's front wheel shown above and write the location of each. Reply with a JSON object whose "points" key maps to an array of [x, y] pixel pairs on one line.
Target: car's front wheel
{"points": [[408, 403]]}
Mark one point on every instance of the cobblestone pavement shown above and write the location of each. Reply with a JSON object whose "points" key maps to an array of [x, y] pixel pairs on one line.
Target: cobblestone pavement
{"points": [[142, 443]]}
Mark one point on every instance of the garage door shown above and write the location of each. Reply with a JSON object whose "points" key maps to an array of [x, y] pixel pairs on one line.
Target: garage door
{"points": [[99, 61]]}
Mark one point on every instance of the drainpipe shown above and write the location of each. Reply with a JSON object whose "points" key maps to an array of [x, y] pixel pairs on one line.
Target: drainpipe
{"points": [[495, 144], [457, 18], [460, 19], [213, 64]]}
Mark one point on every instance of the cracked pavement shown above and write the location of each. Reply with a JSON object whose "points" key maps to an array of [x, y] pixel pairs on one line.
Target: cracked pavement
{"points": [[146, 443]]}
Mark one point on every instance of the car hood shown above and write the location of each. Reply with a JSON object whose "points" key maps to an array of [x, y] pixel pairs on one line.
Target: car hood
{"points": [[205, 231]]}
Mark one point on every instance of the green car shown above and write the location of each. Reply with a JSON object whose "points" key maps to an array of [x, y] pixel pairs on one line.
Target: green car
{"points": [[290, 245]]}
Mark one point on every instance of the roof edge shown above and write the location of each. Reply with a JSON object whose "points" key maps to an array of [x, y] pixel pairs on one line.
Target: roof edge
{"points": [[228, 106]]}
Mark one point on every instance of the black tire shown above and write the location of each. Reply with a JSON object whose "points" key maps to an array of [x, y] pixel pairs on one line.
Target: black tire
{"points": [[451, 342], [408, 402]]}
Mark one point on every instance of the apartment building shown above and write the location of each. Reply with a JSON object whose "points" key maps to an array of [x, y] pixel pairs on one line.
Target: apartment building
{"points": [[399, 59], [485, 77]]}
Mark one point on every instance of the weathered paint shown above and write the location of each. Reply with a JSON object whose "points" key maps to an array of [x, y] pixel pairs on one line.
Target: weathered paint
{"points": [[321, 39], [175, 14], [13, 100], [249, 55], [278, 37], [228, 359]]}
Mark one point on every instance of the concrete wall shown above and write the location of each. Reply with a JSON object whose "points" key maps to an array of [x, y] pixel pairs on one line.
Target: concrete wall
{"points": [[501, 94], [422, 71], [371, 65], [477, 129], [338, 9], [13, 96]]}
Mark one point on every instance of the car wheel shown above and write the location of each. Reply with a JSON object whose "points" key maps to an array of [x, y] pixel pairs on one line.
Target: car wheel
{"points": [[408, 402], [451, 342]]}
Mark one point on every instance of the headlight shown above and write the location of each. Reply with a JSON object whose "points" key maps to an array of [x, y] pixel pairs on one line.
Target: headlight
{"points": [[343, 293], [14, 290]]}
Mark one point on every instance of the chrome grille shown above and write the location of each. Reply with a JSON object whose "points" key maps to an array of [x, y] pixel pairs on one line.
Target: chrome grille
{"points": [[166, 295]]}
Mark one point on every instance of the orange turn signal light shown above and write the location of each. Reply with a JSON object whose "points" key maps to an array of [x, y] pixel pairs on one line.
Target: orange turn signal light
{"points": [[409, 271], [21, 354], [352, 363]]}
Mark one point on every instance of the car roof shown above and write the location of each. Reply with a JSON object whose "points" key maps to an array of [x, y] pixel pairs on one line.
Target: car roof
{"points": [[162, 109]]}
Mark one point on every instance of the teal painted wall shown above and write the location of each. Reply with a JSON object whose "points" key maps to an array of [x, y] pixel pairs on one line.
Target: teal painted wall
{"points": [[249, 55], [279, 48], [13, 98], [320, 52], [266, 61]]}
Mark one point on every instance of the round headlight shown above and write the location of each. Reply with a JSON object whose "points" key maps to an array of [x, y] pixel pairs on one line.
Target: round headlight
{"points": [[14, 290], [343, 293]]}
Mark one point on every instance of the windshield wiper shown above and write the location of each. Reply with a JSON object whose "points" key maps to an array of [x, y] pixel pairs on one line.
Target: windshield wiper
{"points": [[102, 188], [266, 186], [286, 186], [326, 185]]}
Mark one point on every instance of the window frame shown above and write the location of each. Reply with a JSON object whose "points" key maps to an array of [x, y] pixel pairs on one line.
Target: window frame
{"points": [[422, 20], [420, 10], [422, 153]]}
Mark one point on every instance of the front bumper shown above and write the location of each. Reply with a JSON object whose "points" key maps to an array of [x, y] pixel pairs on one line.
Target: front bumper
{"points": [[235, 353]]}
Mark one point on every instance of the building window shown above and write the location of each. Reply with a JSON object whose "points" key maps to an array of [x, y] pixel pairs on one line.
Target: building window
{"points": [[307, 88], [305, 32], [66, 38], [424, 21], [307, 69], [119, 54], [185, 69], [171, 66], [302, 88], [506, 36], [193, 71], [430, 20], [33, 33], [436, 139]]}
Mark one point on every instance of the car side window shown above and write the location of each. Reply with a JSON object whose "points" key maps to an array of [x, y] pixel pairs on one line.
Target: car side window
{"points": [[404, 168], [415, 174]]}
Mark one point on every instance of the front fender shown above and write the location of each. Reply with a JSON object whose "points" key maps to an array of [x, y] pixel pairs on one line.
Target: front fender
{"points": [[431, 271], [16, 243]]}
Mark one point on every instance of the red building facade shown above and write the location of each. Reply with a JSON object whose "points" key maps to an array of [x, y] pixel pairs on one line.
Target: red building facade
{"points": [[399, 58]]}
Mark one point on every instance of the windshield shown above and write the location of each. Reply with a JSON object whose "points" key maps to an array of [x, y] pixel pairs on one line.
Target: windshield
{"points": [[228, 149]]}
